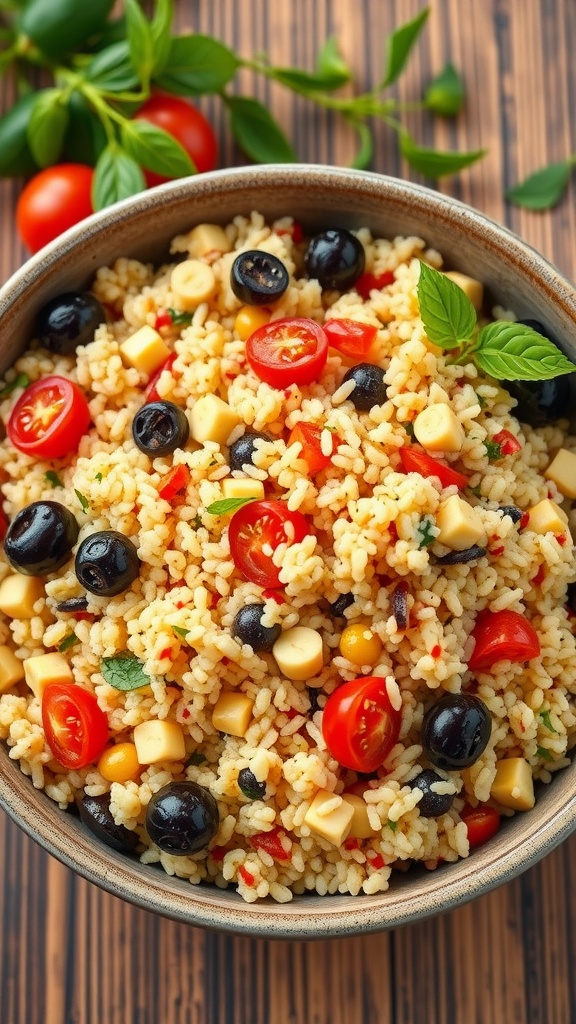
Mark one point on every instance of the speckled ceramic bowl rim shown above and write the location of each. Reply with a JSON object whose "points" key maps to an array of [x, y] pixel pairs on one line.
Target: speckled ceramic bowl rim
{"points": [[523, 840]]}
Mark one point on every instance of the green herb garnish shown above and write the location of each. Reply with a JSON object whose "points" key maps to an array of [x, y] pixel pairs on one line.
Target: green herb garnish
{"points": [[504, 350], [180, 631], [197, 521], [180, 318], [197, 758], [98, 477], [493, 450], [220, 508], [425, 527], [52, 478], [68, 642], [83, 500], [21, 381], [393, 825], [544, 754], [124, 672], [545, 716]]}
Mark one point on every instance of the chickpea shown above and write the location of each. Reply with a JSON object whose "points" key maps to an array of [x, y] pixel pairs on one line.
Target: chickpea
{"points": [[360, 645]]}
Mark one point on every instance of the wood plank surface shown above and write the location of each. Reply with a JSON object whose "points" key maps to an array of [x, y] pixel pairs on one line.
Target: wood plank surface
{"points": [[70, 954]]}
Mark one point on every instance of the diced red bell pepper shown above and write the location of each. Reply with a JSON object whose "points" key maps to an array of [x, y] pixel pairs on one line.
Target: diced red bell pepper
{"points": [[414, 460], [163, 319], [3, 524], [176, 480], [509, 444], [270, 842], [151, 394], [350, 337], [367, 283], [309, 437]]}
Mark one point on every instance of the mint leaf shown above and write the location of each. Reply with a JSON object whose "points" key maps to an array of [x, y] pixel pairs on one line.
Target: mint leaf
{"points": [[111, 69], [83, 500], [140, 41], [124, 672], [155, 149], [433, 163], [47, 127], [256, 131], [116, 176], [52, 478], [399, 46], [448, 316], [68, 642], [445, 94], [21, 381], [331, 66], [544, 188], [513, 351], [220, 508], [196, 65]]}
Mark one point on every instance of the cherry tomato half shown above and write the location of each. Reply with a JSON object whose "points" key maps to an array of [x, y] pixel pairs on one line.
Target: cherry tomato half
{"points": [[482, 823], [256, 530], [151, 394], [292, 350], [184, 123], [414, 460], [309, 437], [76, 728], [52, 201], [500, 636], [359, 724], [49, 418], [350, 337]]}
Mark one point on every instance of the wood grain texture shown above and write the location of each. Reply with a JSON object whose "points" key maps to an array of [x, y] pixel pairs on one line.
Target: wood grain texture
{"points": [[70, 954]]}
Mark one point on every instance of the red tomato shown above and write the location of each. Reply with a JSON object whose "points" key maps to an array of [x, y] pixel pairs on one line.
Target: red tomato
{"points": [[76, 727], [309, 437], [503, 635], [350, 337], [52, 201], [509, 444], [175, 480], [151, 395], [292, 350], [185, 124], [49, 418], [256, 530], [367, 283], [414, 460], [482, 823], [359, 724], [270, 841]]}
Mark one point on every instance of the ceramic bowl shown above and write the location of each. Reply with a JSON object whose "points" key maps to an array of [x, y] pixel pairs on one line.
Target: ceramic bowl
{"points": [[516, 276]]}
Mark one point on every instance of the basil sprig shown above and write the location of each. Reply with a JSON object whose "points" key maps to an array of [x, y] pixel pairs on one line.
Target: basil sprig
{"points": [[504, 350], [124, 672]]}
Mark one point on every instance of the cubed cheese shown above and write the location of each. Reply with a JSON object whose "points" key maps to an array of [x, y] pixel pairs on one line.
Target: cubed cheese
{"points": [[438, 429], [459, 524], [242, 487], [513, 785], [547, 517], [11, 669], [470, 286], [206, 239], [298, 653], [360, 827], [212, 419], [159, 740], [192, 282], [333, 826], [18, 595], [232, 713], [145, 350], [562, 471], [43, 669]]}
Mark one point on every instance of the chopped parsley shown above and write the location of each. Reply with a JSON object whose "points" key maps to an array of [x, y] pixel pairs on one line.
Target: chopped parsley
{"points": [[545, 716], [493, 450], [425, 527], [180, 631], [83, 500], [409, 428], [180, 318], [392, 825], [52, 478], [98, 477], [544, 754], [21, 381], [68, 642], [197, 758]]}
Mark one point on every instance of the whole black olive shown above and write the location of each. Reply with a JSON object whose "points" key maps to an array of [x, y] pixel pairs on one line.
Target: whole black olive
{"points": [[40, 538], [455, 731], [370, 388], [68, 321], [432, 804], [540, 401], [250, 785], [248, 628], [106, 563], [241, 452], [335, 258], [338, 607], [95, 813], [159, 428], [182, 818], [258, 277]]}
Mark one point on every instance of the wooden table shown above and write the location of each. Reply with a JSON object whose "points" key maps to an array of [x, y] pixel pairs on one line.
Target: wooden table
{"points": [[70, 954]]}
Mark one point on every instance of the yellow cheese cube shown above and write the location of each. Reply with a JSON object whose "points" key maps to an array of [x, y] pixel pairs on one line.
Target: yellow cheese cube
{"points": [[513, 785], [192, 282], [212, 419], [18, 595], [145, 350], [562, 471], [232, 713], [336, 824], [11, 669], [43, 669], [470, 286], [298, 652], [438, 429], [459, 524], [205, 239], [159, 740], [360, 827], [547, 517], [242, 487]]}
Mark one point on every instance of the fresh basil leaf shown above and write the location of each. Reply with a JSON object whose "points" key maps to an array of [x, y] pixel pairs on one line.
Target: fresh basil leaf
{"points": [[124, 672], [257, 133], [448, 316], [140, 42], [331, 66], [365, 150], [445, 94], [544, 188], [52, 478], [47, 127], [220, 508], [111, 69], [305, 81], [160, 31], [399, 46], [68, 642], [85, 135], [513, 351], [197, 65], [116, 177], [83, 500], [21, 381], [155, 149], [433, 163]]}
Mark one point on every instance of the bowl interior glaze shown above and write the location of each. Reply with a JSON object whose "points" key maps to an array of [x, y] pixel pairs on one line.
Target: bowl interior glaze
{"points": [[517, 277]]}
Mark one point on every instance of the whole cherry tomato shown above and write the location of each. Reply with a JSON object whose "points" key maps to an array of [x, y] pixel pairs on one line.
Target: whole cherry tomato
{"points": [[504, 635], [76, 728], [414, 460], [256, 530], [482, 823], [308, 434], [350, 337], [359, 724], [184, 123], [52, 201], [49, 418], [292, 350]]}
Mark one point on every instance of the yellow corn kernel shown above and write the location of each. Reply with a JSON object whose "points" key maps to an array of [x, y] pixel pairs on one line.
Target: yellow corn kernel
{"points": [[360, 645], [119, 763], [249, 319]]}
